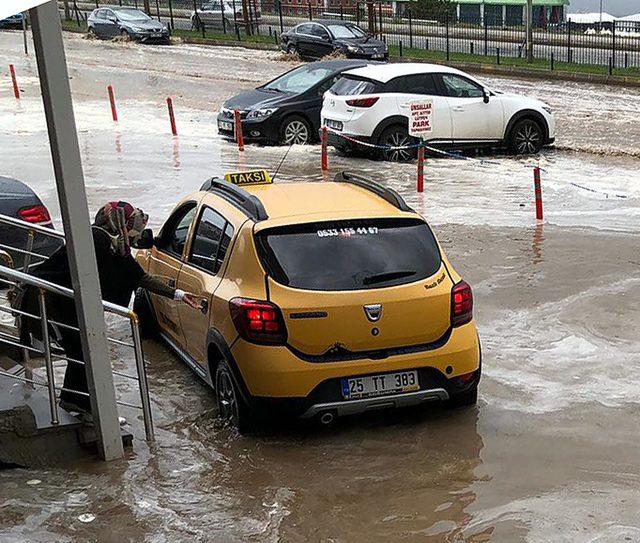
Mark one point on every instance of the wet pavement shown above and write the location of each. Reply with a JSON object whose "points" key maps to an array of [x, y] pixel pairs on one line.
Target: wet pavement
{"points": [[549, 455]]}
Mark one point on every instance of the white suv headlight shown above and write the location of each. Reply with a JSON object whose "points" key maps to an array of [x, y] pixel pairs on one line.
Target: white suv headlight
{"points": [[258, 113]]}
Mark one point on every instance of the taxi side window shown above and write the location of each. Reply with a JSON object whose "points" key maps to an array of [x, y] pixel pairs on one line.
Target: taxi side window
{"points": [[211, 241], [176, 229]]}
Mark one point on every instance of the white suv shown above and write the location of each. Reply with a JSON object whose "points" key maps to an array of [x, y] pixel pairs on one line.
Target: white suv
{"points": [[371, 104]]}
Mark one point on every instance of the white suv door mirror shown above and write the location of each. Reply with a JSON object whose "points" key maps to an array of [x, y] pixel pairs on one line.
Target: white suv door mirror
{"points": [[485, 96]]}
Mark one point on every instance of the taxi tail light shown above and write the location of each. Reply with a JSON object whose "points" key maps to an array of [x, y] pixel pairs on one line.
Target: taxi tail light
{"points": [[363, 102], [461, 304], [258, 321], [35, 214]]}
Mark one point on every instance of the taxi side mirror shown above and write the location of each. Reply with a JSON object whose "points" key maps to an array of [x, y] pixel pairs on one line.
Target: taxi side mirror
{"points": [[485, 96], [146, 240]]}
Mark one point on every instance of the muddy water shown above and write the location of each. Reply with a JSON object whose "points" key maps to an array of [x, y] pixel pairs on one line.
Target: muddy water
{"points": [[550, 453]]}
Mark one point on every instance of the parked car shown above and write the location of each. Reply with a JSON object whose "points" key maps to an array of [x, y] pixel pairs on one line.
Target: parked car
{"points": [[18, 201], [110, 22], [317, 300], [316, 39], [287, 109], [210, 15], [371, 104], [14, 21]]}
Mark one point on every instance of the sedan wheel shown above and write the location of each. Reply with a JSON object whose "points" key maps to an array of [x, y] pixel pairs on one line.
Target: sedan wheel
{"points": [[296, 131], [526, 137], [397, 137]]}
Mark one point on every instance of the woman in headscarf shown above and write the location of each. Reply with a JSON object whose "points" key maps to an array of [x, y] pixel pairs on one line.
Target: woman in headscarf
{"points": [[117, 227]]}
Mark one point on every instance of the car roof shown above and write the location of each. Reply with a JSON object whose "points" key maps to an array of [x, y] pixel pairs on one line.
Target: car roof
{"points": [[338, 64], [386, 72], [331, 22], [300, 202]]}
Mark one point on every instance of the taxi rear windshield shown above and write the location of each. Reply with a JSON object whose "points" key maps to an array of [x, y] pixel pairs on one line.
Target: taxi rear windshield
{"points": [[350, 255]]}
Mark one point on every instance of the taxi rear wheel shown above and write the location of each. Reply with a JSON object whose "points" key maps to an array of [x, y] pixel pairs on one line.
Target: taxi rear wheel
{"points": [[231, 406], [464, 399]]}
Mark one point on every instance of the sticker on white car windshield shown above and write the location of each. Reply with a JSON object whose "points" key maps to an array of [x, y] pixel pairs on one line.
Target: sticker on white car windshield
{"points": [[348, 232]]}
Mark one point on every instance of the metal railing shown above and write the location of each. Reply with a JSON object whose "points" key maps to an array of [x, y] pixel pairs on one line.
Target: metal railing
{"points": [[13, 278]]}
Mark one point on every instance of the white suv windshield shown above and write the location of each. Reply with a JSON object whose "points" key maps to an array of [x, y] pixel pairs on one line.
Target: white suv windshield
{"points": [[346, 31], [299, 80]]}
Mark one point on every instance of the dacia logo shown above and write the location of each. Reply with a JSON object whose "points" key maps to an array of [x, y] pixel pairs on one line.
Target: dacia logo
{"points": [[373, 312]]}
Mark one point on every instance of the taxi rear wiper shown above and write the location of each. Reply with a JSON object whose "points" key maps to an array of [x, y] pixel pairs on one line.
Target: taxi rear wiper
{"points": [[387, 276]]}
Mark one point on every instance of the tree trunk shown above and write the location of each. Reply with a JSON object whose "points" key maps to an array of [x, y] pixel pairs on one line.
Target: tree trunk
{"points": [[245, 15], [371, 16], [67, 11], [147, 7]]}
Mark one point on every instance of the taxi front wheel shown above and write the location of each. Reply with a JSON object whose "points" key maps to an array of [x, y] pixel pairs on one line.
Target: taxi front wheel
{"points": [[231, 406]]}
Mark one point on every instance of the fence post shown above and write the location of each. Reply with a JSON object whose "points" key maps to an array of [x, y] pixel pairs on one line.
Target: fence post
{"points": [[309, 8], [275, 36], [323, 141], [486, 37], [280, 16], [613, 45], [498, 55], [112, 102], [171, 22], [238, 125], [172, 119], [538, 192], [569, 42], [341, 13], [380, 17], [626, 60], [410, 29], [447, 30], [610, 66], [224, 25], [552, 62], [14, 82], [420, 183]]}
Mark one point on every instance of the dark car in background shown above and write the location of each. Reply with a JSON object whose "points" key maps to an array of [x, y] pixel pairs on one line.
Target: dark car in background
{"points": [[316, 39], [13, 21], [111, 22], [287, 109], [18, 201]]}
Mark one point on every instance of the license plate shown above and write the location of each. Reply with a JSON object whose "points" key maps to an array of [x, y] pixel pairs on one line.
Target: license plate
{"points": [[378, 55], [380, 385], [226, 126]]}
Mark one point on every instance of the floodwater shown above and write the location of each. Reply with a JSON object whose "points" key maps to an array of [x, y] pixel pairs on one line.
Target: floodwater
{"points": [[549, 455]]}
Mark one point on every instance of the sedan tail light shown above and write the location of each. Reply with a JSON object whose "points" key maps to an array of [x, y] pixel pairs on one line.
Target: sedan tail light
{"points": [[36, 214], [461, 304], [363, 102], [258, 321]]}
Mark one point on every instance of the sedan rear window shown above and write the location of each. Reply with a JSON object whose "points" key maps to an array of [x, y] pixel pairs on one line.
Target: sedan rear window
{"points": [[349, 85], [350, 255]]}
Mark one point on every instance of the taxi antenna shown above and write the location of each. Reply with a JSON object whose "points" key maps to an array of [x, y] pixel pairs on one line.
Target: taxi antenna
{"points": [[281, 162]]}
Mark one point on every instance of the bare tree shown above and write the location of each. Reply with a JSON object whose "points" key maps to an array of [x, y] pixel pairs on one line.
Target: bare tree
{"points": [[67, 11], [245, 15]]}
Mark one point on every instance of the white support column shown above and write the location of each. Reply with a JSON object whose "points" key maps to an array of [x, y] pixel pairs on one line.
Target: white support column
{"points": [[65, 153]]}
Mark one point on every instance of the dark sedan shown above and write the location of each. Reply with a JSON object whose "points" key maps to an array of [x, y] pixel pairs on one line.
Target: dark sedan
{"points": [[316, 39], [111, 22], [18, 201], [287, 109], [12, 21]]}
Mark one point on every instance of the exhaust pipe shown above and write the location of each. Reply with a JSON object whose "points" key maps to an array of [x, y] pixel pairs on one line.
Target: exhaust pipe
{"points": [[326, 418]]}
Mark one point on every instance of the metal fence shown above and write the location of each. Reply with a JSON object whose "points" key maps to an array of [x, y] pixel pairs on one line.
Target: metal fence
{"points": [[498, 36], [45, 346]]}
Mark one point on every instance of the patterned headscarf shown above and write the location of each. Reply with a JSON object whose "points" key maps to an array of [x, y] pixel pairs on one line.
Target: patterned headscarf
{"points": [[124, 224]]}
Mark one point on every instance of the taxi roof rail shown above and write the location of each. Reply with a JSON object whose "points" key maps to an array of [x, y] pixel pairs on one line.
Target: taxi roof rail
{"points": [[385, 193], [248, 203]]}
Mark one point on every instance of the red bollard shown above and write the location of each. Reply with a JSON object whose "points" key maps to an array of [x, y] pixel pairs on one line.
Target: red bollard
{"points": [[172, 118], [420, 169], [538, 192], [239, 136], [325, 165], [112, 101], [16, 90]]}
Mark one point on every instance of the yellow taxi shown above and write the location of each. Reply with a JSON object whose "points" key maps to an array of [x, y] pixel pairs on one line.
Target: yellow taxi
{"points": [[319, 299]]}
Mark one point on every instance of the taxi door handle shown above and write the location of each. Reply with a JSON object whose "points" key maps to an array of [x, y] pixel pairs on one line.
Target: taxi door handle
{"points": [[458, 108], [172, 283], [204, 306]]}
